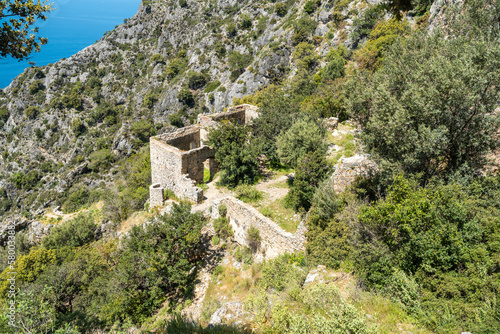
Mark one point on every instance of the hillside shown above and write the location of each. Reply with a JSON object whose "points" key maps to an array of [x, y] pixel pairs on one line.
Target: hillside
{"points": [[408, 245]]}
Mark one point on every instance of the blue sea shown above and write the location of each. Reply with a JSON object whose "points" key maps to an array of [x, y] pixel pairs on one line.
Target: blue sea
{"points": [[72, 26]]}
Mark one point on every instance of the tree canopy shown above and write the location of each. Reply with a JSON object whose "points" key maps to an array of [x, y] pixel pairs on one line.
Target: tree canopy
{"points": [[17, 35]]}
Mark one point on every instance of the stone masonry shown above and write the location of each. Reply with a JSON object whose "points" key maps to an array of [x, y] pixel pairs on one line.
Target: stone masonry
{"points": [[274, 240], [348, 169], [178, 159]]}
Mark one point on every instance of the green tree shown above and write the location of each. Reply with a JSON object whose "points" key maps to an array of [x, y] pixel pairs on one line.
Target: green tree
{"points": [[17, 37], [75, 233], [310, 171], [304, 136], [428, 108], [277, 112], [234, 154]]}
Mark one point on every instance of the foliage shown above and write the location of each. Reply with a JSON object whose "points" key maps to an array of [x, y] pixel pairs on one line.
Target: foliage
{"points": [[280, 9], [310, 171], [78, 127], [238, 62], [185, 96], [175, 67], [303, 137], [211, 86], [222, 227], [196, 80], [311, 6], [101, 160], [303, 29], [305, 56], [234, 154], [248, 194], [75, 233], [278, 274], [17, 38], [31, 112], [253, 238], [36, 86], [380, 38], [436, 126], [438, 234], [276, 115], [143, 129], [231, 30], [26, 181], [245, 21], [150, 98]]}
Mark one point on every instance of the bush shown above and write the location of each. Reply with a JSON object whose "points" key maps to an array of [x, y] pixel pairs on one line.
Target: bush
{"points": [[176, 120], [101, 160], [222, 210], [74, 233], [253, 238], [211, 86], [183, 3], [280, 9], [310, 171], [279, 274], [222, 227], [175, 67], [245, 22], [36, 86], [185, 96], [31, 112], [303, 137], [143, 129], [196, 80], [150, 99], [78, 127], [234, 154], [231, 30], [311, 6], [248, 194], [442, 125]]}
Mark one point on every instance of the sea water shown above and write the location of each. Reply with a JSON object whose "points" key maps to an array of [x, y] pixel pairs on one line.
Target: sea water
{"points": [[70, 27]]}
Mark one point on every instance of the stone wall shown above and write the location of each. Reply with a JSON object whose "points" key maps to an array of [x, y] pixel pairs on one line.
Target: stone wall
{"points": [[348, 169], [177, 170], [275, 240]]}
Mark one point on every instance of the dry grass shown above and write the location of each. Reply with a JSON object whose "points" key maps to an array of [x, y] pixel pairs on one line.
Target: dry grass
{"points": [[137, 218], [285, 217], [55, 219]]}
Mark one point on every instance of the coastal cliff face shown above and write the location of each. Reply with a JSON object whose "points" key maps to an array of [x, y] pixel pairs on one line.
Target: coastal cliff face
{"points": [[65, 125]]}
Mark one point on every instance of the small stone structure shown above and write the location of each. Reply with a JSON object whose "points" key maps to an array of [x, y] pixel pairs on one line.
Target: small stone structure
{"points": [[178, 159], [348, 169], [274, 240]]}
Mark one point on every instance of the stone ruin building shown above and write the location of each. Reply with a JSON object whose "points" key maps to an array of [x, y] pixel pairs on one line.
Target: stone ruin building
{"points": [[178, 159]]}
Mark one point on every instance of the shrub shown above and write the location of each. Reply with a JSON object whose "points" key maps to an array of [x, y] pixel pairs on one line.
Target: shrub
{"points": [[253, 238], [36, 86], [222, 210], [78, 127], [175, 67], [248, 193], [211, 86], [183, 3], [150, 99], [196, 80], [310, 171], [74, 233], [222, 227], [450, 130], [101, 160], [234, 154], [305, 56], [280, 9], [311, 6], [245, 22], [31, 112], [143, 129], [185, 96], [231, 30], [176, 120], [303, 137], [279, 274]]}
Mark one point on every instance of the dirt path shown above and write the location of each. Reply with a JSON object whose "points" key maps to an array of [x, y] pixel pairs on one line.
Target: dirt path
{"points": [[269, 187]]}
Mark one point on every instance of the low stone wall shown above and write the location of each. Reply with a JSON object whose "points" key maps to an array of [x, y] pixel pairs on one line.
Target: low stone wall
{"points": [[275, 240]]}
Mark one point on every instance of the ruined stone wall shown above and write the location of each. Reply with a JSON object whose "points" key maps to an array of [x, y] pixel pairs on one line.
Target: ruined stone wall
{"points": [[167, 172], [275, 240], [184, 139], [192, 162], [348, 169]]}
